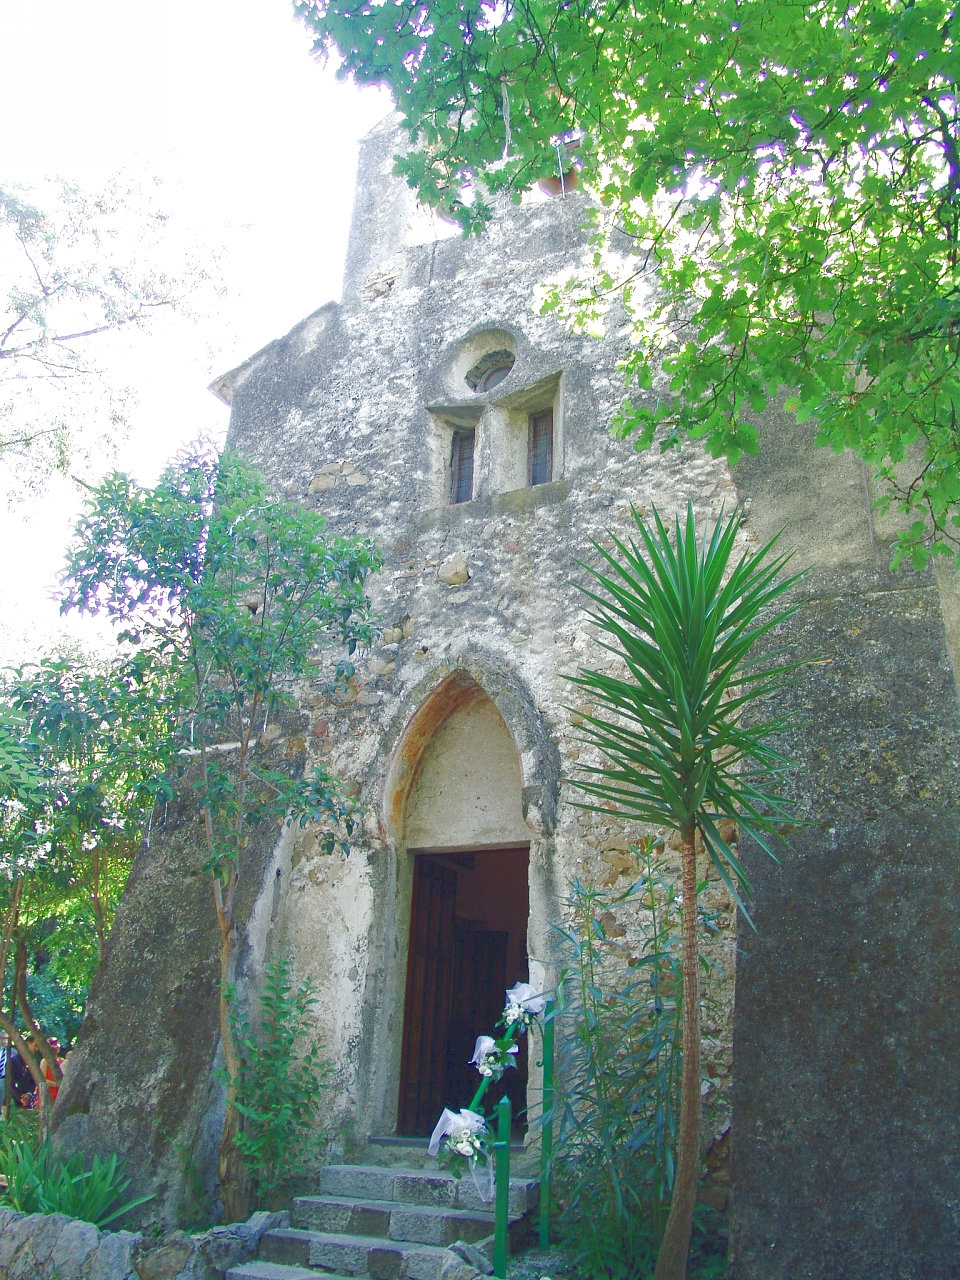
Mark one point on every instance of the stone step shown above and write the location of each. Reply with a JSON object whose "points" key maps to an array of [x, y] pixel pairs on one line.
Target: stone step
{"points": [[276, 1271], [413, 1154], [420, 1186], [413, 1223], [348, 1255]]}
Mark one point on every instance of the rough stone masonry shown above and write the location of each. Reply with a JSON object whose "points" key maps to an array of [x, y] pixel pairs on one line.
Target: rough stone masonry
{"points": [[459, 732]]}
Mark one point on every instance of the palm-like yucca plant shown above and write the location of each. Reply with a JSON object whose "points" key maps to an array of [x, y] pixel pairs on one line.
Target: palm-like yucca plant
{"points": [[676, 748]]}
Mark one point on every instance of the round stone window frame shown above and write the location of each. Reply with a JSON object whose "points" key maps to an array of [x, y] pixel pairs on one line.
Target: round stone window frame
{"points": [[490, 370]]}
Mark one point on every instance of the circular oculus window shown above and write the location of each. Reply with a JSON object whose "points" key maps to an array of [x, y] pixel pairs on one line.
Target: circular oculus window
{"points": [[490, 371]]}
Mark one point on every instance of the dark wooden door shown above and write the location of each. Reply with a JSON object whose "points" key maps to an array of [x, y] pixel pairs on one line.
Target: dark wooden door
{"points": [[430, 983], [480, 980]]}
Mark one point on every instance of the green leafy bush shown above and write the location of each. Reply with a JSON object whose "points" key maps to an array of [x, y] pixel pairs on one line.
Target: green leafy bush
{"points": [[57, 1007], [38, 1180], [281, 1082], [618, 1076]]}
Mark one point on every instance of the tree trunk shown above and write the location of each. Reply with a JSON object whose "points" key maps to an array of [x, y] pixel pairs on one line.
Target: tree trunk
{"points": [[45, 1055], [18, 997], [33, 1062], [231, 1170], [675, 1248], [96, 900], [9, 925], [43, 1044]]}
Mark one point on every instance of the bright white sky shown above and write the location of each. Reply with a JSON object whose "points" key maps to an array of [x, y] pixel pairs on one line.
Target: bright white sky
{"points": [[256, 145]]}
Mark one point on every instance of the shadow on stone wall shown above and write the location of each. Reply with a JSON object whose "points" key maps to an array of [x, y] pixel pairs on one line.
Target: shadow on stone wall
{"points": [[847, 1068]]}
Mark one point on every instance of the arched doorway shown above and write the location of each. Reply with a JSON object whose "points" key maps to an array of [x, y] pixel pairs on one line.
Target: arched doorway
{"points": [[464, 830]]}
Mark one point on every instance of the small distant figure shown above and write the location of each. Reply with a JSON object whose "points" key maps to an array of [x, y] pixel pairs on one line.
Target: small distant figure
{"points": [[17, 1082], [48, 1070], [4, 1064]]}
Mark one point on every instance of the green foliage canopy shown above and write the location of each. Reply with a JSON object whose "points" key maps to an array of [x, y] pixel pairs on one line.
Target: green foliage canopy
{"points": [[224, 593], [780, 201], [93, 734], [97, 732]]}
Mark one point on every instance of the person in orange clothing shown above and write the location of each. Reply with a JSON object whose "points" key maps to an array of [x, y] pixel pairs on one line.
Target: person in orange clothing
{"points": [[31, 1100], [48, 1070]]}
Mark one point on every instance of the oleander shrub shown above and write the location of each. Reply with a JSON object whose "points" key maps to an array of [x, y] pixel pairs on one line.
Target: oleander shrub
{"points": [[280, 1085]]}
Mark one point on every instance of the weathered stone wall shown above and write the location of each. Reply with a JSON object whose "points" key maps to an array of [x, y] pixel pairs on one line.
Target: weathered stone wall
{"points": [[468, 785], [847, 1084], [353, 413]]}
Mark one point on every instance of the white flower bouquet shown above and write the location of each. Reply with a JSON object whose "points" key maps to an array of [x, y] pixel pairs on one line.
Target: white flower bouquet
{"points": [[492, 1057], [462, 1140], [524, 1003]]}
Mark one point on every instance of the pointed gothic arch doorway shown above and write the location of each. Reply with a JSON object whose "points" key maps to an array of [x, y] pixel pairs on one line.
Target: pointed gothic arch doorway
{"points": [[469, 846]]}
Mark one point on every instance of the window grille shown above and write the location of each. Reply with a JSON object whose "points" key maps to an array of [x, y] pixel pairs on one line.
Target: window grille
{"points": [[540, 451], [461, 467]]}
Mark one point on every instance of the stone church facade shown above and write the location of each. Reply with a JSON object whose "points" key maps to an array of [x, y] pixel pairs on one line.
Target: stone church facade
{"points": [[434, 410]]}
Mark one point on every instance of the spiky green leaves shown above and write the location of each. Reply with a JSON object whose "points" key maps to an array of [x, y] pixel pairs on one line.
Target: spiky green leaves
{"points": [[688, 618]]}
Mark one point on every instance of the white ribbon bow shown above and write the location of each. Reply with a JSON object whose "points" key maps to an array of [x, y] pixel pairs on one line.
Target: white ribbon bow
{"points": [[486, 1047], [465, 1123], [525, 997]]}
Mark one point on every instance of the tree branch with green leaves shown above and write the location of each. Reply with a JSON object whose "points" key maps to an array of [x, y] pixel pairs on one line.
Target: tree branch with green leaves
{"points": [[234, 592], [777, 196], [77, 266]]}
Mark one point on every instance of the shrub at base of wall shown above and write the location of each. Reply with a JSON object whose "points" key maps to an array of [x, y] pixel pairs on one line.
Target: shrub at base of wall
{"points": [[52, 1247]]}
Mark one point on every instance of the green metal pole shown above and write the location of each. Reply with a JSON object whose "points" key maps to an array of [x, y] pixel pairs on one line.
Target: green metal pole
{"points": [[478, 1096], [546, 1131], [501, 1216]]}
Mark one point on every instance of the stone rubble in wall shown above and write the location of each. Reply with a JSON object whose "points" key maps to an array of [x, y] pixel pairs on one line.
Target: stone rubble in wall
{"points": [[54, 1247]]}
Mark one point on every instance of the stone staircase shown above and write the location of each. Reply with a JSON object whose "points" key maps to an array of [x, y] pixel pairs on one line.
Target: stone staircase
{"points": [[389, 1222]]}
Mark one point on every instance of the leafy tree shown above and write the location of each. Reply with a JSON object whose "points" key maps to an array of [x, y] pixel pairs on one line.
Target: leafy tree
{"points": [[786, 177], [103, 730], [677, 747], [21, 778], [22, 794], [233, 591], [30, 873], [75, 267], [95, 733]]}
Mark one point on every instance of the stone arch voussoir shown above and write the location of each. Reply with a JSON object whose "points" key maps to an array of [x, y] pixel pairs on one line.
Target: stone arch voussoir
{"points": [[446, 688]]}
